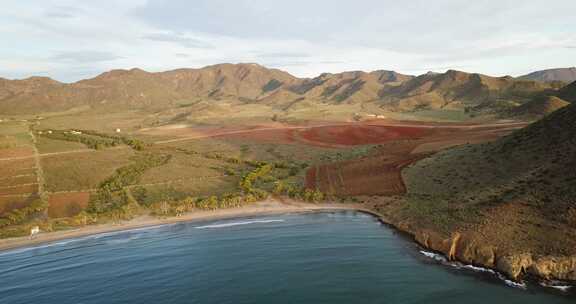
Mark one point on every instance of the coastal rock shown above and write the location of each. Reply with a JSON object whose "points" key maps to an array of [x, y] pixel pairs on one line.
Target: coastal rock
{"points": [[515, 265], [454, 246], [473, 253], [555, 268], [467, 248]]}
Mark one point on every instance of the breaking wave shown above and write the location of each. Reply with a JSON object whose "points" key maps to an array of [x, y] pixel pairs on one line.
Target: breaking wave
{"points": [[444, 261], [556, 285], [214, 226]]}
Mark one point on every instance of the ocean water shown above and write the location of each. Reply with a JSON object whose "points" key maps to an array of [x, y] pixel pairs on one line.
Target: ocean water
{"points": [[329, 257]]}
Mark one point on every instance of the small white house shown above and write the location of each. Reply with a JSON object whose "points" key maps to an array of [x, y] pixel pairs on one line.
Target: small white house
{"points": [[118, 130], [34, 231]]}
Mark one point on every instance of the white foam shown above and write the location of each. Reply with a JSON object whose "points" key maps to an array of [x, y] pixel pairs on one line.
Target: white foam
{"points": [[435, 256], [511, 283], [48, 245], [457, 265], [78, 239], [557, 285], [238, 224], [476, 268]]}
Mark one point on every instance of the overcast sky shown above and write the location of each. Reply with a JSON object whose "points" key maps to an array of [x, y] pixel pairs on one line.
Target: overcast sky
{"points": [[71, 40]]}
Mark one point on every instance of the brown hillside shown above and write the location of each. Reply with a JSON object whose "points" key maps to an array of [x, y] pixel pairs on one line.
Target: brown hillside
{"points": [[568, 92], [539, 106], [349, 87], [460, 90], [138, 89], [516, 193]]}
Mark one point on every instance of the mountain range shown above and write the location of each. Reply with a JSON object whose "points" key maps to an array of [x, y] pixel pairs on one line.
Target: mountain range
{"points": [[252, 83], [561, 74]]}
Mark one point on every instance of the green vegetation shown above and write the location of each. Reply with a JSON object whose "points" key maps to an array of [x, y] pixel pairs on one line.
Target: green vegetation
{"points": [[517, 192], [116, 198], [92, 139], [112, 194], [22, 215]]}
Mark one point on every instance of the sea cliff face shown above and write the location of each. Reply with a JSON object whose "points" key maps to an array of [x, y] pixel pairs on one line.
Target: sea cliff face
{"points": [[467, 248]]}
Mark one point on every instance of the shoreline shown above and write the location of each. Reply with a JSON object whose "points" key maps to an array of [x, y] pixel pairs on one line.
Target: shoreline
{"points": [[268, 207]]}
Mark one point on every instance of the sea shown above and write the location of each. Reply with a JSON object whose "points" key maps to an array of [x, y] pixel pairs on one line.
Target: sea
{"points": [[323, 257]]}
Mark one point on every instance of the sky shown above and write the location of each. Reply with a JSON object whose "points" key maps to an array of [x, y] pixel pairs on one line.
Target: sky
{"points": [[72, 40]]}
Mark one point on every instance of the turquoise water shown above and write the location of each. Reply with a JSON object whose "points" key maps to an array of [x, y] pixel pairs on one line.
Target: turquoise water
{"points": [[342, 257]]}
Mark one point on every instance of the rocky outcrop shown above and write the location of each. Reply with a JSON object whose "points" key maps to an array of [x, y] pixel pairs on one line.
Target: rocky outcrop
{"points": [[464, 247]]}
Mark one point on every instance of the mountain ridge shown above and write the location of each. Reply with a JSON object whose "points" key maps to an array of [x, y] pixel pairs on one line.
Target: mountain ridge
{"points": [[558, 74], [248, 82]]}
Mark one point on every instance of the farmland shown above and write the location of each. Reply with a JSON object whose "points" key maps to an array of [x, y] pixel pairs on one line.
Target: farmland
{"points": [[19, 177], [86, 167]]}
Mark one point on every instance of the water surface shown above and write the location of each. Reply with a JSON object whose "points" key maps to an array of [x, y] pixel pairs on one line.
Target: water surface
{"points": [[332, 257]]}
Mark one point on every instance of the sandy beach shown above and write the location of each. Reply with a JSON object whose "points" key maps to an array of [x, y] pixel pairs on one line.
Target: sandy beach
{"points": [[261, 208]]}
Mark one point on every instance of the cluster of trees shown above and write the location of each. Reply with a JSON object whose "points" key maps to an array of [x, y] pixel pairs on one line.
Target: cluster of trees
{"points": [[112, 194], [91, 142], [298, 192], [135, 144], [230, 200], [251, 189], [247, 181], [21, 215], [94, 140]]}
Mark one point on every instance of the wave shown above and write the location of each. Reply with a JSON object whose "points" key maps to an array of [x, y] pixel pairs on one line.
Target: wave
{"points": [[47, 245], [556, 285], [473, 268], [238, 224], [96, 236], [511, 283], [444, 261], [434, 256]]}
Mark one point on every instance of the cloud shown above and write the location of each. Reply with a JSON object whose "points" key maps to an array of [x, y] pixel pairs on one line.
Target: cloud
{"points": [[331, 61], [284, 55], [306, 37], [287, 64], [417, 27], [176, 38], [85, 56]]}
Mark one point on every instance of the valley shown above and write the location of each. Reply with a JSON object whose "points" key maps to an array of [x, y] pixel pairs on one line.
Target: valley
{"points": [[472, 166]]}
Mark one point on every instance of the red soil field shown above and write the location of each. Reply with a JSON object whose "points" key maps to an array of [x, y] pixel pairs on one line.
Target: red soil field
{"points": [[375, 175], [400, 144], [17, 167], [335, 136], [380, 173], [20, 189], [354, 135], [67, 204], [16, 152], [6, 181]]}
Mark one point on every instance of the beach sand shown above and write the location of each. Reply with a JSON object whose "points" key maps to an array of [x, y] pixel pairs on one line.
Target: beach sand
{"points": [[271, 206]]}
